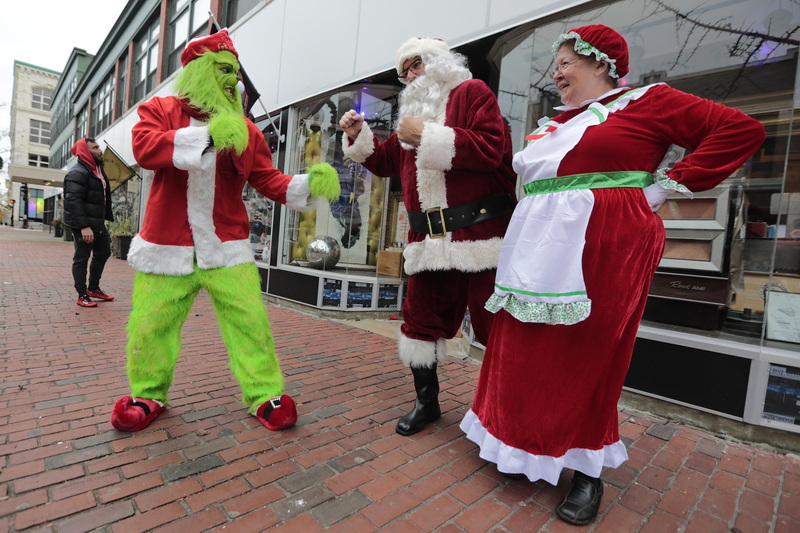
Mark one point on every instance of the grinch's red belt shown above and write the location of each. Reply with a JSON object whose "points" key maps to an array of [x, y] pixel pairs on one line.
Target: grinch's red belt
{"points": [[437, 221]]}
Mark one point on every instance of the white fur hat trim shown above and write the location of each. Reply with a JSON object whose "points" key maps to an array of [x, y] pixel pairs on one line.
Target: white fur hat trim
{"points": [[416, 46]]}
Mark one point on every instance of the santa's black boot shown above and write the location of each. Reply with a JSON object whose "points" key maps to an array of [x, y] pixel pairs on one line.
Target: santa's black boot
{"points": [[426, 407]]}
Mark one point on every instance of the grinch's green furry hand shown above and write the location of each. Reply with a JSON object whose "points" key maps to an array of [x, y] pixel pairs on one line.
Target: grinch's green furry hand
{"points": [[229, 130], [323, 180]]}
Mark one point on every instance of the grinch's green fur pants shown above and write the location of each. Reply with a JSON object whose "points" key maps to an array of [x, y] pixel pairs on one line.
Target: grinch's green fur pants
{"points": [[161, 305]]}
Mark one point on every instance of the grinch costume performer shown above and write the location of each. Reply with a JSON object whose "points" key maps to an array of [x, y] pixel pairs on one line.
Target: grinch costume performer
{"points": [[578, 258], [195, 235], [452, 151]]}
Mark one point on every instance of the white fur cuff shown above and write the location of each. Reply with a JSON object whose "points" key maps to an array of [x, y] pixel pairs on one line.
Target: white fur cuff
{"points": [[362, 147], [437, 147], [418, 353], [188, 147], [298, 195]]}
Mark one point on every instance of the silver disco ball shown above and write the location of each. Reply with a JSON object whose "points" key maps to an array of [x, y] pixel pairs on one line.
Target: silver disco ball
{"points": [[323, 252]]}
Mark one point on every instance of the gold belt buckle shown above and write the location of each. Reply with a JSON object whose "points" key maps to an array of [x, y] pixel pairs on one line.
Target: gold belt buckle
{"points": [[428, 219]]}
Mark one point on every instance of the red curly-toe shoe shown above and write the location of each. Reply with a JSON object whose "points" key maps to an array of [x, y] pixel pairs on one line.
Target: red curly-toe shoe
{"points": [[133, 414], [278, 413]]}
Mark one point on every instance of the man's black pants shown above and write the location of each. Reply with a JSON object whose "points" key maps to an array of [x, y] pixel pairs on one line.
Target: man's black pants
{"points": [[99, 250]]}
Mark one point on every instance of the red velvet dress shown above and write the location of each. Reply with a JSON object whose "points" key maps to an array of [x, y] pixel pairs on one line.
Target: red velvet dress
{"points": [[547, 393]]}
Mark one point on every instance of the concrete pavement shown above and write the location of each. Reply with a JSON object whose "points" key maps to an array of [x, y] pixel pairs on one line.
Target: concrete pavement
{"points": [[205, 465]]}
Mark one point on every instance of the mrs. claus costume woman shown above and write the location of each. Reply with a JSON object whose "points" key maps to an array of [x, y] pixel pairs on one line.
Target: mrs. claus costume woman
{"points": [[578, 258]]}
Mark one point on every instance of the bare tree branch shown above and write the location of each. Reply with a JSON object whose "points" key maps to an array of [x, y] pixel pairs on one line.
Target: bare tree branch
{"points": [[729, 29]]}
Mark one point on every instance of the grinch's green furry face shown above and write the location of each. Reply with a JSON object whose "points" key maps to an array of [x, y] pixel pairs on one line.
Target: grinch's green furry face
{"points": [[209, 82], [226, 71]]}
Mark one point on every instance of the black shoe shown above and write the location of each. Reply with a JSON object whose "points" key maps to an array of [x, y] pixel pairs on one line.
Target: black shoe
{"points": [[426, 407], [581, 504], [509, 475]]}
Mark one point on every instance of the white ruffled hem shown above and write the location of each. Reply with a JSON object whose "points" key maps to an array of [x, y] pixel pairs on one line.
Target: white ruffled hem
{"points": [[515, 461]]}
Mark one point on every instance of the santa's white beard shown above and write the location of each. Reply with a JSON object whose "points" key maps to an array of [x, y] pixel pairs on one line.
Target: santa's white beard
{"points": [[426, 96], [421, 98]]}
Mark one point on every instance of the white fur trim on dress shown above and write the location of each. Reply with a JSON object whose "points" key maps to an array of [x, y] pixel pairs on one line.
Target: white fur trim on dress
{"points": [[363, 146], [298, 194], [445, 254], [419, 353], [515, 461], [437, 149], [188, 146]]}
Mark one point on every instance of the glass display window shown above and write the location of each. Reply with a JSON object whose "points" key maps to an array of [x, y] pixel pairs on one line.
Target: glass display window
{"points": [[260, 210], [730, 247], [344, 235]]}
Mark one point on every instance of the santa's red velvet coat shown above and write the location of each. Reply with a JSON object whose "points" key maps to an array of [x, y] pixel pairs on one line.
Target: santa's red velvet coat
{"points": [[465, 158], [195, 207]]}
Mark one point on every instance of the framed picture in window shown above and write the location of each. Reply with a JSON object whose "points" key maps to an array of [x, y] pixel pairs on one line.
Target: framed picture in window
{"points": [[783, 316], [397, 229]]}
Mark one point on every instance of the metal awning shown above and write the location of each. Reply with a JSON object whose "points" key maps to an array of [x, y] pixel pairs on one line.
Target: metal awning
{"points": [[46, 177]]}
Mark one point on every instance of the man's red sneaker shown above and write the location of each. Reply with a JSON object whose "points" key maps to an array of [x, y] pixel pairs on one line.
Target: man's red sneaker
{"points": [[84, 301], [99, 294]]}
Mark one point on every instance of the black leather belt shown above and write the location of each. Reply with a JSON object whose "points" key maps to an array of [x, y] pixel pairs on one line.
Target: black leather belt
{"points": [[436, 221]]}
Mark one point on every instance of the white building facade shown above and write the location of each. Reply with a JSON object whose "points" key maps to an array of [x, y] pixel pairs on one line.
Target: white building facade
{"points": [[31, 181]]}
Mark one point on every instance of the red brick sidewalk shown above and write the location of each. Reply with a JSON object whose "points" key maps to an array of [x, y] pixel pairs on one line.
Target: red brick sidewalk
{"points": [[205, 465]]}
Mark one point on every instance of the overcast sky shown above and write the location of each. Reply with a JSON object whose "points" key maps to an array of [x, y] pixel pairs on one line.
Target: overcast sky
{"points": [[43, 33]]}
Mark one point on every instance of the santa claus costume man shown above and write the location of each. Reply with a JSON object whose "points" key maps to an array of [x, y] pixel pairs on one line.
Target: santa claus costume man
{"points": [[452, 152], [195, 233]]}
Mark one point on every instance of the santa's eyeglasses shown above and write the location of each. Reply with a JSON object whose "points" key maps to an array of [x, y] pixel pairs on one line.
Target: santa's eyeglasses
{"points": [[415, 67]]}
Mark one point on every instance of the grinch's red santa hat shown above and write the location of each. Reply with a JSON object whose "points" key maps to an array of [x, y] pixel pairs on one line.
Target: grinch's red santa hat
{"points": [[416, 46], [216, 42]]}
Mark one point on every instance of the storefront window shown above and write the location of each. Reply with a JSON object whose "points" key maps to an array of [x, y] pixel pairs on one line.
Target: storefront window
{"points": [[260, 210], [729, 248], [345, 235]]}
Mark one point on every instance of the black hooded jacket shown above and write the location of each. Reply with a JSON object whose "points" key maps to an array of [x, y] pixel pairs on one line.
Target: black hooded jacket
{"points": [[85, 204]]}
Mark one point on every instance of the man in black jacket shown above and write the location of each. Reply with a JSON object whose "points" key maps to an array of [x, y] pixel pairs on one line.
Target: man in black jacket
{"points": [[87, 206]]}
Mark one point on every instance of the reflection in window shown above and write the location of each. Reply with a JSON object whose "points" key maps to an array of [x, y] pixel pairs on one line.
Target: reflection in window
{"points": [[81, 124], [260, 210], [146, 61], [122, 86], [187, 19], [355, 220], [238, 9], [41, 98], [36, 160], [40, 132], [35, 205], [101, 105]]}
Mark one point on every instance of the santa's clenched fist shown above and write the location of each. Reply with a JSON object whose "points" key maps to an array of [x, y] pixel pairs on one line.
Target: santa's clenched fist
{"points": [[351, 123]]}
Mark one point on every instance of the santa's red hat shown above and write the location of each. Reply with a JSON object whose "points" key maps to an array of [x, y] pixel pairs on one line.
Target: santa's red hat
{"points": [[417, 46], [605, 43], [216, 42]]}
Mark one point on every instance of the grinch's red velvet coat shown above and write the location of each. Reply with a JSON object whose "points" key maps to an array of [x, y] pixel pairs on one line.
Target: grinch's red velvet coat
{"points": [[201, 214]]}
